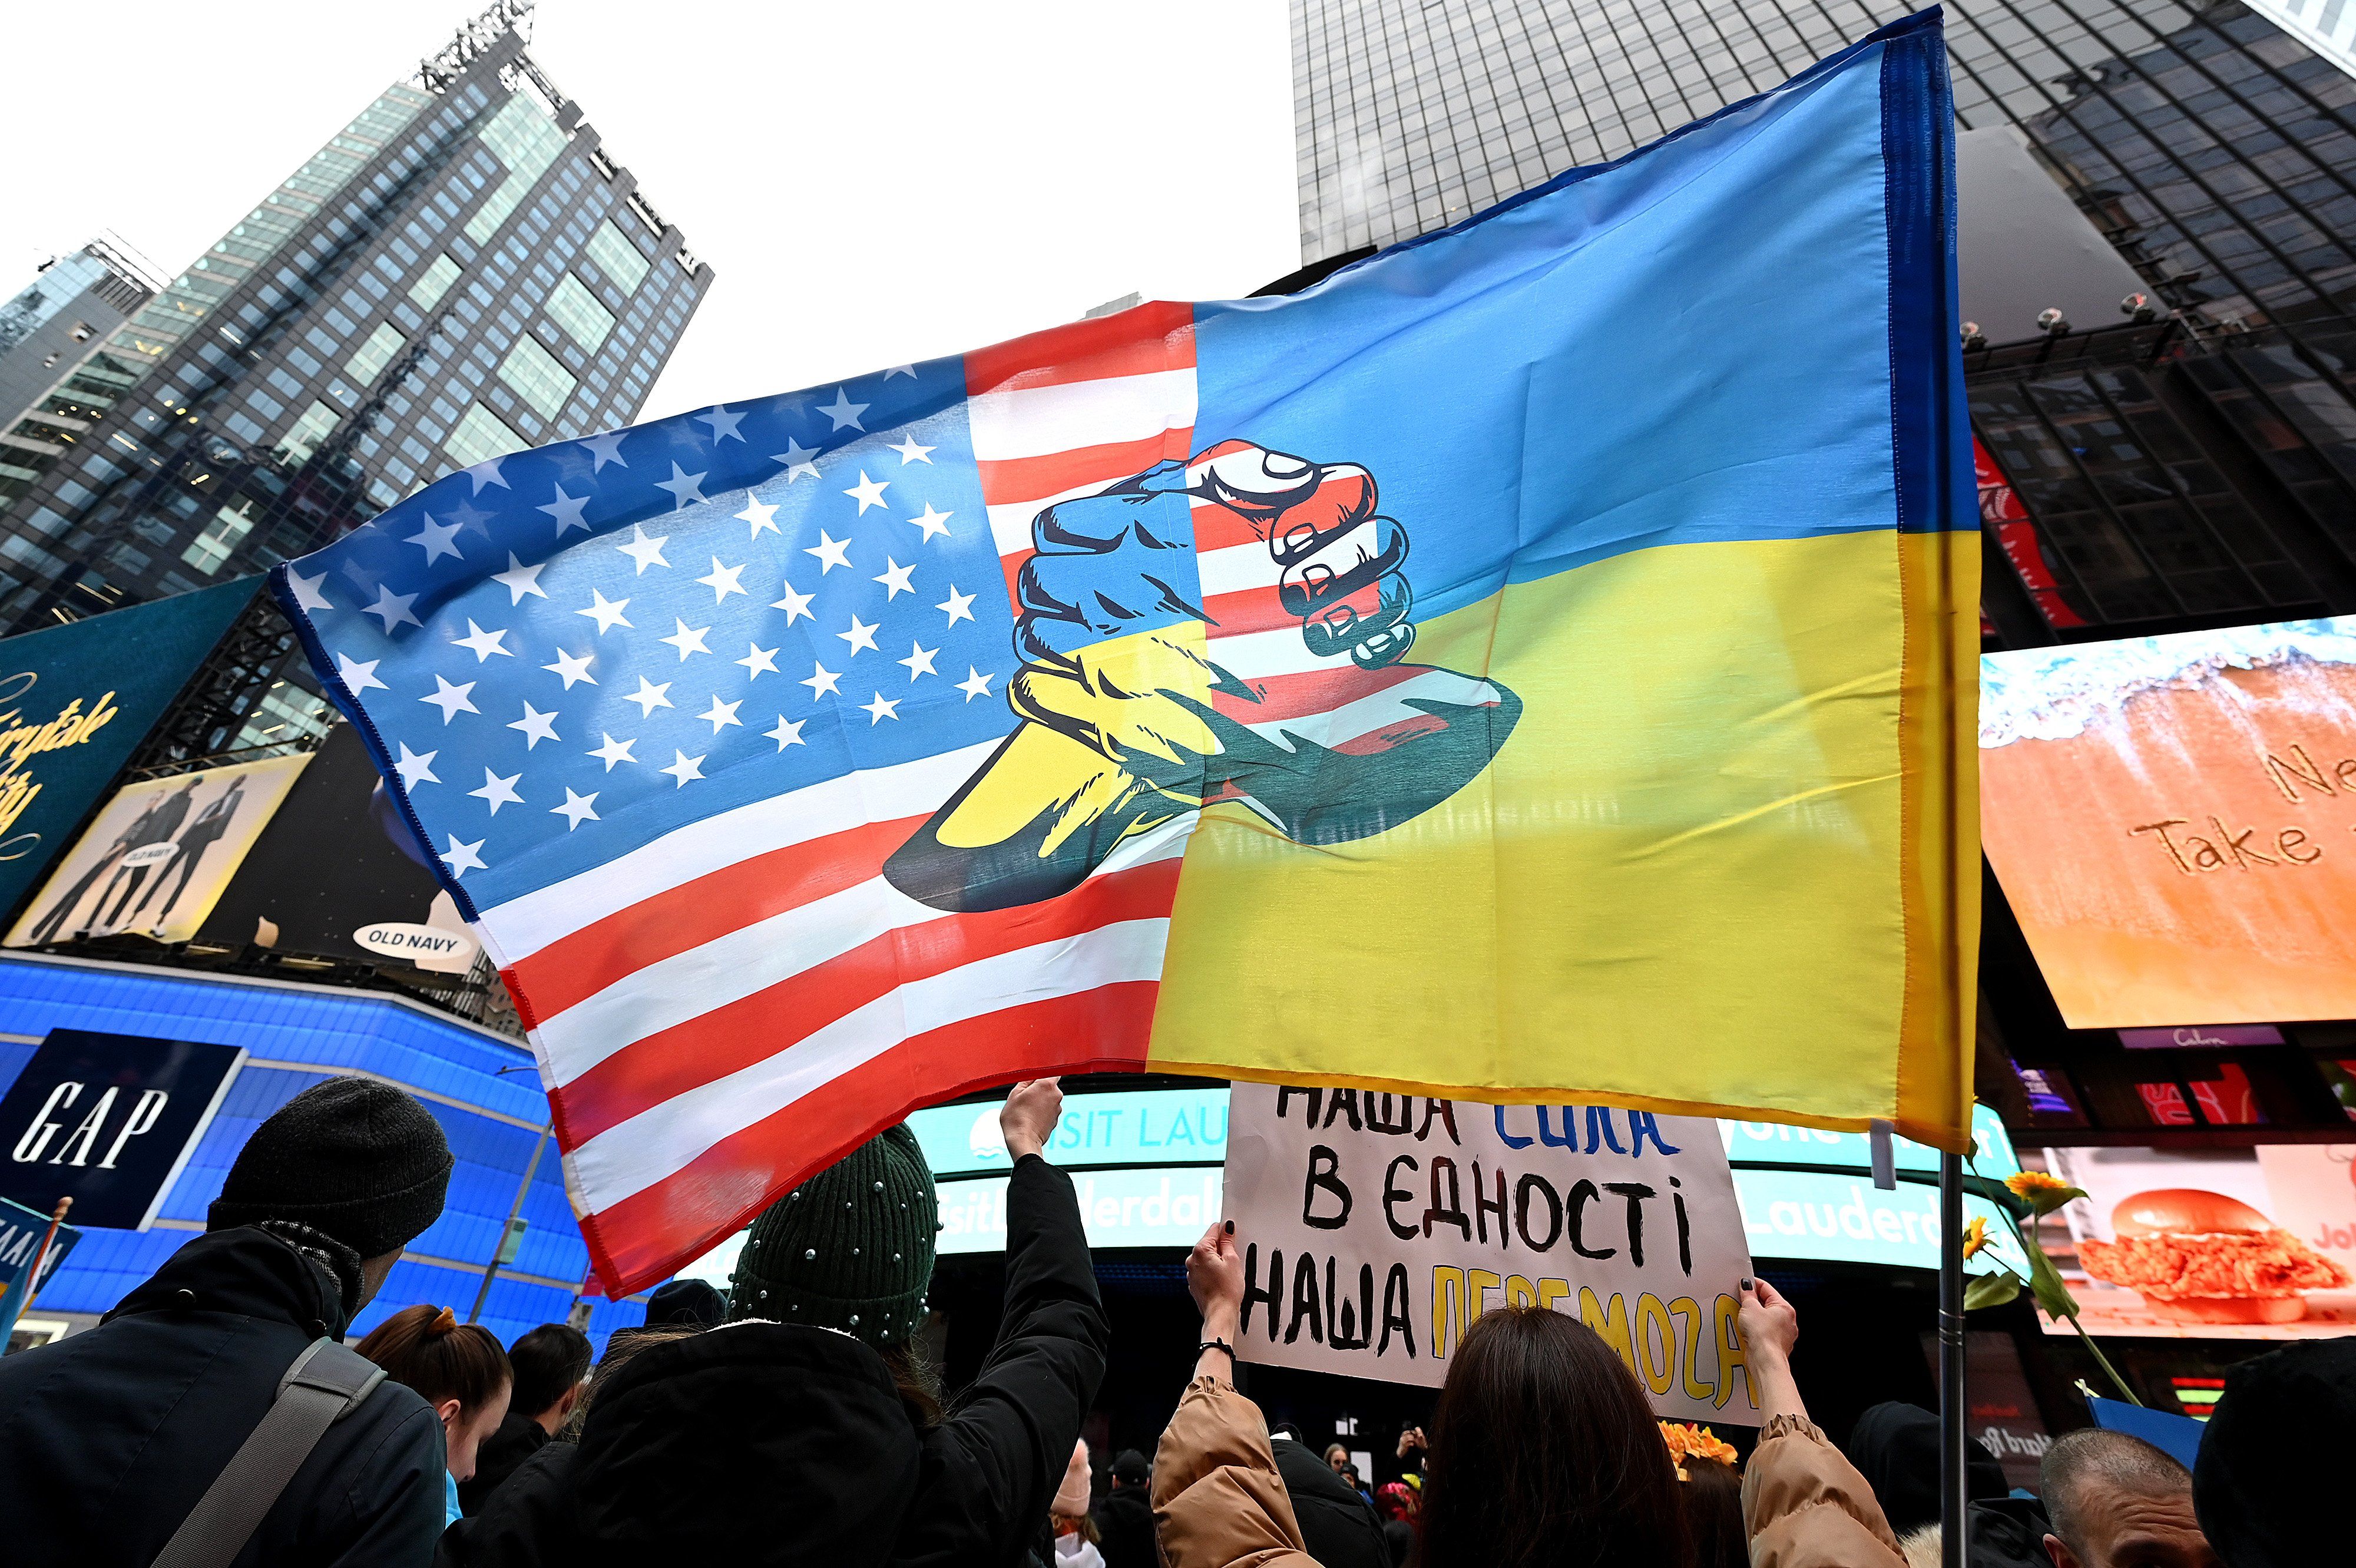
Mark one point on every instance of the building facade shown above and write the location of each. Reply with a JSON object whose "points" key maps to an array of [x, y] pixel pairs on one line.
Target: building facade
{"points": [[2218, 150], [2188, 461], [461, 272], [49, 327]]}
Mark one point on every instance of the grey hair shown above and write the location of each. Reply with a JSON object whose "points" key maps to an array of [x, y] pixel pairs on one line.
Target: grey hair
{"points": [[2112, 1460]]}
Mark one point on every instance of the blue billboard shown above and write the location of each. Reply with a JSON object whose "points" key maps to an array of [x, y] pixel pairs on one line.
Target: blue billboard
{"points": [[479, 1085]]}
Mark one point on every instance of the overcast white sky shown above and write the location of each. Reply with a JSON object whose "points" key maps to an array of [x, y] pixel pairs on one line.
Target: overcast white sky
{"points": [[872, 183]]}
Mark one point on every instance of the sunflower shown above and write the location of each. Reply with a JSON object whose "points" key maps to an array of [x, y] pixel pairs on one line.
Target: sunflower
{"points": [[2042, 1191], [1976, 1237]]}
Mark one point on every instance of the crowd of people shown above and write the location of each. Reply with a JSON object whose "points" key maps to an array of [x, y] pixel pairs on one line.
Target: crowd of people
{"points": [[796, 1419]]}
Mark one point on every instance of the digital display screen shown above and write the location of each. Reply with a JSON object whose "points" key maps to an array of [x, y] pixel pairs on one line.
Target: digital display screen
{"points": [[1157, 1126], [2225, 1244], [2170, 819], [1146, 1163]]}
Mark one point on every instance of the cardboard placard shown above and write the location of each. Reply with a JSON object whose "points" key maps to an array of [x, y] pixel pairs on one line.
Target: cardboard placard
{"points": [[1377, 1228]]}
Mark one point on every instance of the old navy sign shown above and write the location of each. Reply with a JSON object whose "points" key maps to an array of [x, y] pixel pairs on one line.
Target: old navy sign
{"points": [[108, 1120], [420, 944]]}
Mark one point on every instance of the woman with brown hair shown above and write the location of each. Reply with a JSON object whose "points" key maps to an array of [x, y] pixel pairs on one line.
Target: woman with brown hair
{"points": [[458, 1369], [1543, 1451]]}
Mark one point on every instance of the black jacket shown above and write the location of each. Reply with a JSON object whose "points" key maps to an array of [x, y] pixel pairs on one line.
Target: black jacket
{"points": [[1125, 1521], [530, 1517], [502, 1453], [770, 1443], [1337, 1523], [107, 1439]]}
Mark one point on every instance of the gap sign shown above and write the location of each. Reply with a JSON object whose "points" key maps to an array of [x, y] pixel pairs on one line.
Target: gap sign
{"points": [[108, 1120]]}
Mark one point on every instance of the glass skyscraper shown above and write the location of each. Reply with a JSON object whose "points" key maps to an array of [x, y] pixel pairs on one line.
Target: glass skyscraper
{"points": [[2193, 463], [2216, 149], [460, 272]]}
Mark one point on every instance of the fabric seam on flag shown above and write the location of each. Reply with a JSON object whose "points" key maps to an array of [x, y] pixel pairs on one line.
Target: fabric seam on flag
{"points": [[1918, 196]]}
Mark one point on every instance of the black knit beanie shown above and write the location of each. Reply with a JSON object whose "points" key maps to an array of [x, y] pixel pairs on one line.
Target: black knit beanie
{"points": [[351, 1158], [850, 1248]]}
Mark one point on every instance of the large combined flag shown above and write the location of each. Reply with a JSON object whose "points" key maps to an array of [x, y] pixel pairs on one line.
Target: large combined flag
{"points": [[1532, 664]]}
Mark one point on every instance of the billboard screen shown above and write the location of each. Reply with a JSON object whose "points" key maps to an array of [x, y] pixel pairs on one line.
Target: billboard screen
{"points": [[1804, 1193], [158, 855], [2230, 1244], [325, 880], [75, 702], [2171, 818]]}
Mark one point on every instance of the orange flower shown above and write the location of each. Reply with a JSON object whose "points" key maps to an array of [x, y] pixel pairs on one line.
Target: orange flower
{"points": [[1974, 1238], [1689, 1441], [2042, 1192]]}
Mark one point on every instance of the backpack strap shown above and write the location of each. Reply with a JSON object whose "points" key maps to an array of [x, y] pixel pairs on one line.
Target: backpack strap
{"points": [[326, 1383]]}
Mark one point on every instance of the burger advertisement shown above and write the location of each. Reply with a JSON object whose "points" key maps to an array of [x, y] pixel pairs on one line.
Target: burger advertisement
{"points": [[2253, 1243]]}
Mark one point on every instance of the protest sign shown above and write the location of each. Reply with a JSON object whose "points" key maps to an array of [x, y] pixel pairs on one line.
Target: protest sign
{"points": [[1377, 1228]]}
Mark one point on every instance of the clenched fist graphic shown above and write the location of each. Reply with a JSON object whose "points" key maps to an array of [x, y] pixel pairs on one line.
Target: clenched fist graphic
{"points": [[1232, 628]]}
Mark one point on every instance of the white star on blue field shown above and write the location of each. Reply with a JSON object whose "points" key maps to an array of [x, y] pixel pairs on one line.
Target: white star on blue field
{"points": [[569, 651]]}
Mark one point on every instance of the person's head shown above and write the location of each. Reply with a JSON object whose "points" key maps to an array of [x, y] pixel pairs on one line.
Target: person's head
{"points": [[352, 1160], [691, 1301], [1396, 1499], [850, 1248], [1544, 1450], [456, 1368], [622, 1346], [1129, 1469], [1895, 1447], [552, 1364], [2271, 1481], [1071, 1500], [1336, 1455], [2118, 1502], [1712, 1493]]}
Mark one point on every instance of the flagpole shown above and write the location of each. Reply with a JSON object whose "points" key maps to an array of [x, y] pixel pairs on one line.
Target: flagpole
{"points": [[1954, 1525], [523, 1190], [33, 1278]]}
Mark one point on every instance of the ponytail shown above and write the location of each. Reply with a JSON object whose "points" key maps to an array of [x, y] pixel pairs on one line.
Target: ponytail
{"points": [[429, 1350]]}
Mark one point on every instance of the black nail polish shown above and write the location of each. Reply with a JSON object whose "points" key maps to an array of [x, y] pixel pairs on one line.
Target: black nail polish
{"points": [[1747, 1283], [1231, 1227]]}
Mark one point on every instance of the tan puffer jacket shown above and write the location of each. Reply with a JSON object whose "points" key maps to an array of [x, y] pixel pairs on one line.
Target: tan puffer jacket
{"points": [[1805, 1505], [1218, 1501]]}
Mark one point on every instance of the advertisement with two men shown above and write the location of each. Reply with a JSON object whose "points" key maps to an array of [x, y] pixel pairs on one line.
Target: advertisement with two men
{"points": [[158, 855]]}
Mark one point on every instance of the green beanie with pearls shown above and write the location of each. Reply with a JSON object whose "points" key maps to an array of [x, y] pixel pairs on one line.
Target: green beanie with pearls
{"points": [[850, 1248]]}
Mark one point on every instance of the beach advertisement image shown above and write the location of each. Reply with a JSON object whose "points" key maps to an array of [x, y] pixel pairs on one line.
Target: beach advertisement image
{"points": [[2235, 1245], [158, 855], [2173, 819]]}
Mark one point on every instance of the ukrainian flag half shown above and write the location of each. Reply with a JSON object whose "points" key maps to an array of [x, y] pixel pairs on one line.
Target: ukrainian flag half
{"points": [[1534, 664]]}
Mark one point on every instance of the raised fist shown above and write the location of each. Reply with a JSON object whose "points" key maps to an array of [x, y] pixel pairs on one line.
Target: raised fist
{"points": [[1130, 716]]}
